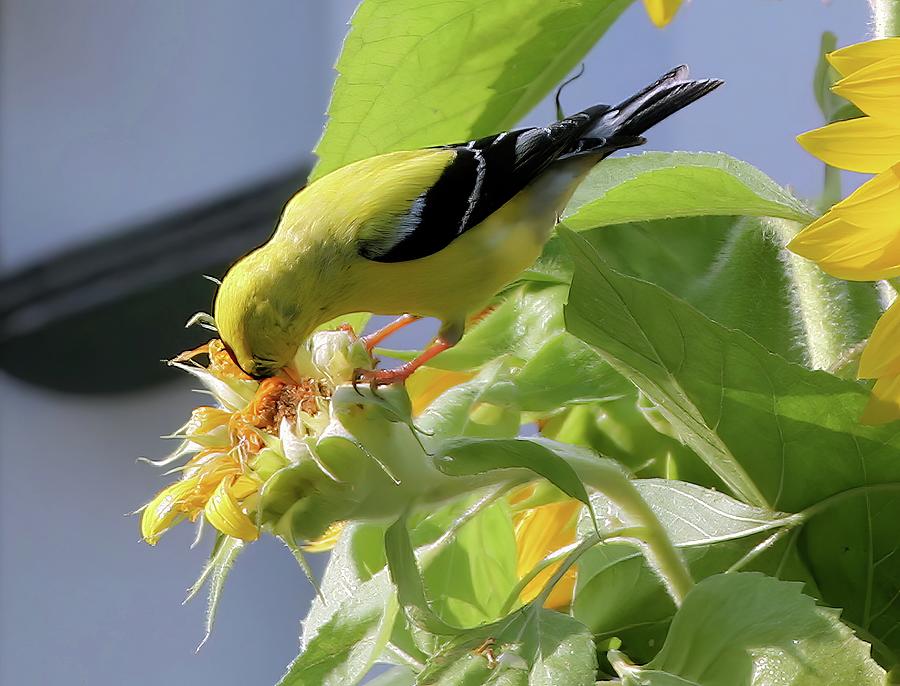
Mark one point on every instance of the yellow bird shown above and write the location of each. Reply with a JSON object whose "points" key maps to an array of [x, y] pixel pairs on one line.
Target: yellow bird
{"points": [[435, 232]]}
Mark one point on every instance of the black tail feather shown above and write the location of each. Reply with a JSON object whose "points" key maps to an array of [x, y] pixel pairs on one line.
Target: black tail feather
{"points": [[621, 126]]}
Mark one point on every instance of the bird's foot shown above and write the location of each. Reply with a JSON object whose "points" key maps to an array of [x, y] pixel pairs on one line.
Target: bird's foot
{"points": [[386, 377], [382, 377], [376, 337]]}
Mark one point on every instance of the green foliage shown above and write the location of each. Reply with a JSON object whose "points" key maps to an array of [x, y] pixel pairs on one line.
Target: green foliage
{"points": [[752, 629], [413, 74], [657, 185], [533, 646], [664, 330], [345, 646], [779, 435]]}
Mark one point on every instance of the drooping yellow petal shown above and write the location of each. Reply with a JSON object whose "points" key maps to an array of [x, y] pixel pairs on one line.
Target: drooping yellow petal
{"points": [[539, 532], [661, 12], [848, 251], [882, 354], [166, 509], [223, 511], [875, 89], [884, 403], [877, 201], [866, 144], [855, 57]]}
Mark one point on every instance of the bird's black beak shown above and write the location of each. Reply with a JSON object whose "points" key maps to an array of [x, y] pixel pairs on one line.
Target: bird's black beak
{"points": [[255, 377]]}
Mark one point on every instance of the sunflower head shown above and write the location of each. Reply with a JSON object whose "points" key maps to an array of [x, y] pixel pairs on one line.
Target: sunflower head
{"points": [[228, 451]]}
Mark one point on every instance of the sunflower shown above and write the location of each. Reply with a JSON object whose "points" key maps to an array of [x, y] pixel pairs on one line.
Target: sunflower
{"points": [[232, 447], [858, 239]]}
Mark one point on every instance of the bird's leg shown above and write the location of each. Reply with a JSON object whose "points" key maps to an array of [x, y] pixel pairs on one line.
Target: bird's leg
{"points": [[376, 337], [385, 377]]}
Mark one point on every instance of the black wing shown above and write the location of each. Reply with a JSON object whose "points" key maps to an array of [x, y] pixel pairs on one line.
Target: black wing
{"points": [[483, 176]]}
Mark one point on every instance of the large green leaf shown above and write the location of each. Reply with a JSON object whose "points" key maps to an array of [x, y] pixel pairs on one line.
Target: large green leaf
{"points": [[736, 271], [468, 456], [661, 185], [618, 595], [413, 74], [752, 630], [471, 576], [532, 647], [781, 436], [348, 643]]}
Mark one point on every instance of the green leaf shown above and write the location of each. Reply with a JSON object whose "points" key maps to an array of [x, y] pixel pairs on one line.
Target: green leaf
{"points": [[533, 647], [619, 595], [355, 559], [781, 436], [472, 574], [221, 559], [695, 516], [405, 573], [736, 271], [658, 185], [736, 629], [415, 74], [468, 456], [348, 643], [626, 430]]}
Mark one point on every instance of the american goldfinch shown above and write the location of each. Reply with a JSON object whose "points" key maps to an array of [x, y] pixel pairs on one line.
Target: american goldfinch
{"points": [[434, 232]]}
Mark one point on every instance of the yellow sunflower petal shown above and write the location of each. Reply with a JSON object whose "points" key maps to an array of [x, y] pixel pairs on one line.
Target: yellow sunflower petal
{"points": [[661, 12], [848, 251], [884, 403], [876, 202], [539, 532], [326, 541], [855, 57], [224, 512], [875, 89], [866, 145], [428, 383], [165, 510], [882, 354]]}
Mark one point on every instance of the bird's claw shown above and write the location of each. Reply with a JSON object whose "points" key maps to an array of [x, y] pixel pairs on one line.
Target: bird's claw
{"points": [[371, 377], [379, 377]]}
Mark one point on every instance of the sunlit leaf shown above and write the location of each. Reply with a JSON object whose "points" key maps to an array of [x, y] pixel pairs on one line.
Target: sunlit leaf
{"points": [[413, 75], [471, 577], [658, 185], [348, 643], [736, 629], [781, 436], [531, 647]]}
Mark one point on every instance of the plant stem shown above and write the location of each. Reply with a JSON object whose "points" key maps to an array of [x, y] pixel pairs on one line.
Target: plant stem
{"points": [[885, 17], [611, 480], [819, 305]]}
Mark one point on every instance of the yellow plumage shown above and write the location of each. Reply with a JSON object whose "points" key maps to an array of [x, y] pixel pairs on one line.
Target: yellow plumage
{"points": [[434, 232]]}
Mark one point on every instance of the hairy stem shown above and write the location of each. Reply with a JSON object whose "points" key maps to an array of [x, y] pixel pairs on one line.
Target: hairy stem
{"points": [[885, 17], [820, 306], [611, 480]]}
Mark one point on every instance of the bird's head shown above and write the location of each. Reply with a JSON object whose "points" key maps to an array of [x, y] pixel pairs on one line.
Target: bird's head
{"points": [[253, 328]]}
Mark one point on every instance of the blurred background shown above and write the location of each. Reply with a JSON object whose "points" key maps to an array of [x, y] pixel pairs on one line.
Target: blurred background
{"points": [[143, 144]]}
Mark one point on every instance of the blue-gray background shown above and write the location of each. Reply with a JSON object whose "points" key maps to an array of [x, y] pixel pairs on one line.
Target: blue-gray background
{"points": [[115, 111]]}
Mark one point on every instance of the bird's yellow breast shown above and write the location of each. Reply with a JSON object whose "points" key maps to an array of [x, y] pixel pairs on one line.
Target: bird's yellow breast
{"points": [[461, 278]]}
